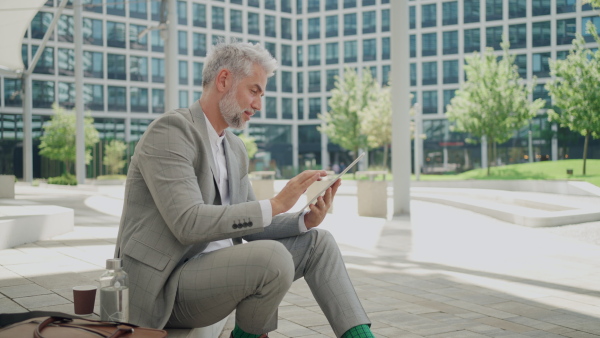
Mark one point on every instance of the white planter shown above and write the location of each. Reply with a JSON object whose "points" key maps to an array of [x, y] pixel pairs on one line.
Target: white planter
{"points": [[7, 186]]}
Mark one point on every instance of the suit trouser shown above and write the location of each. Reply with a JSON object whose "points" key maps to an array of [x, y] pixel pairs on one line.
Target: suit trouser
{"points": [[253, 278]]}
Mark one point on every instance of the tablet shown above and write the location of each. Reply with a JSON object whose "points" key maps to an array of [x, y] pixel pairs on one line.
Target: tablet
{"points": [[312, 200]]}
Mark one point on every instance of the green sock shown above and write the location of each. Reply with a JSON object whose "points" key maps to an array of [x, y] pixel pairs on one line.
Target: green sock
{"points": [[360, 331], [239, 333]]}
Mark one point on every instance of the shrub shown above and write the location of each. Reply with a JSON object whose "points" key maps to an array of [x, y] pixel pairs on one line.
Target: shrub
{"points": [[65, 179]]}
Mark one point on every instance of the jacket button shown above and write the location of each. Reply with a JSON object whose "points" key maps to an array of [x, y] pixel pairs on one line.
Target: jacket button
{"points": [[250, 223], [235, 226]]}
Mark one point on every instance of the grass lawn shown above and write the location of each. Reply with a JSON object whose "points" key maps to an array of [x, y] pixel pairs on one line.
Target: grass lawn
{"points": [[547, 170]]}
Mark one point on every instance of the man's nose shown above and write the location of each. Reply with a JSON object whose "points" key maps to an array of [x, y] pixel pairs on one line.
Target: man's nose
{"points": [[256, 104]]}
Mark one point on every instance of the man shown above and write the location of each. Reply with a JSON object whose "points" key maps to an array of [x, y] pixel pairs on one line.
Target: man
{"points": [[188, 200]]}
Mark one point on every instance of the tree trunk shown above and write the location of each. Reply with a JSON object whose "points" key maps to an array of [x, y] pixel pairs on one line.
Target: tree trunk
{"points": [[585, 149], [489, 146]]}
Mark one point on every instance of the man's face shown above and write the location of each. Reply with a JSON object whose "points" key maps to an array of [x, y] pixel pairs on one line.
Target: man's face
{"points": [[243, 99]]}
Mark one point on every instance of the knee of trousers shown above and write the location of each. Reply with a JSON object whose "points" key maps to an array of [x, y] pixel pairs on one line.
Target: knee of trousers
{"points": [[278, 263], [325, 239]]}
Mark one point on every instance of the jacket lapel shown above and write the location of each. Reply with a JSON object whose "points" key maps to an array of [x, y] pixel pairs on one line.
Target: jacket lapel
{"points": [[201, 123], [233, 171]]}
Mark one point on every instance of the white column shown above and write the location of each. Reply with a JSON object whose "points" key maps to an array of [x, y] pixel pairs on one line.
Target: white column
{"points": [[418, 142], [324, 152], [401, 107], [554, 142], [80, 130], [295, 146], [484, 152], [171, 64], [27, 97]]}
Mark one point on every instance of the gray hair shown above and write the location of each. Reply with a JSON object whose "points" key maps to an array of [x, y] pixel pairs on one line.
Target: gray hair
{"points": [[237, 57]]}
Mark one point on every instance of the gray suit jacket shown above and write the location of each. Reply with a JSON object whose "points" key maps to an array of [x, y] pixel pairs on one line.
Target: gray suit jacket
{"points": [[172, 209]]}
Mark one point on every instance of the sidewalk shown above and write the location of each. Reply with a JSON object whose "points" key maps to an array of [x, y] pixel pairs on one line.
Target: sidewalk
{"points": [[443, 272]]}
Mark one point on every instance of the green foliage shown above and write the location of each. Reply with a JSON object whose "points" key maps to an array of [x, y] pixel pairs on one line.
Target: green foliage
{"points": [[349, 98], [493, 101], [594, 3], [114, 152], [377, 120], [575, 90], [58, 140], [65, 179], [250, 144]]}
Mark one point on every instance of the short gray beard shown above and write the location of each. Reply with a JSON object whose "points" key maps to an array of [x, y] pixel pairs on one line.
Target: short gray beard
{"points": [[231, 110]]}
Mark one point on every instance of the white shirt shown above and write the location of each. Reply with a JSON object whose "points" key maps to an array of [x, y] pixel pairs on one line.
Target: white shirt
{"points": [[218, 152]]}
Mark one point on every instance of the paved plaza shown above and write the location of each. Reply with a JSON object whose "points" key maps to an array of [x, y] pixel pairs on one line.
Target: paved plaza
{"points": [[442, 272]]}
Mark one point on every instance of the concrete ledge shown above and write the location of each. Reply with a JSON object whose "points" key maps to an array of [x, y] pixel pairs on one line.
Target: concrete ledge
{"points": [[533, 210], [212, 331], [579, 188], [20, 224]]}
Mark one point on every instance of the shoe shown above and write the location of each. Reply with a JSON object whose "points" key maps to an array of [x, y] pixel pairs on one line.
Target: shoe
{"points": [[264, 335]]}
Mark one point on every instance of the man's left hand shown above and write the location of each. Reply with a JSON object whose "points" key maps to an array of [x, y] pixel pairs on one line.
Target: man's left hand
{"points": [[318, 211]]}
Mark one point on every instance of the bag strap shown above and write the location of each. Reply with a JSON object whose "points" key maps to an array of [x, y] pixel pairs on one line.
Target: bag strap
{"points": [[12, 318], [120, 329]]}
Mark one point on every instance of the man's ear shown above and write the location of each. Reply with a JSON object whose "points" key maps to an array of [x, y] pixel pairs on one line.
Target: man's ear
{"points": [[224, 80]]}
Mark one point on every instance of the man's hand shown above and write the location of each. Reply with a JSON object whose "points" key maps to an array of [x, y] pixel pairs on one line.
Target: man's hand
{"points": [[318, 211], [292, 191]]}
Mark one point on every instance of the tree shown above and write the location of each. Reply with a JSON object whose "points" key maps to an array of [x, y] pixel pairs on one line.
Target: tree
{"points": [[349, 98], [594, 3], [574, 90], [493, 101], [377, 121], [114, 152], [250, 144], [58, 140]]}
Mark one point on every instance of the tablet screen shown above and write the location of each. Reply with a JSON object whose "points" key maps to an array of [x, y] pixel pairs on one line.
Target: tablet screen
{"points": [[312, 200]]}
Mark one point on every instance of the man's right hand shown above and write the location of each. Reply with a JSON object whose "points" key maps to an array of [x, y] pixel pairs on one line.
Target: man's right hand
{"points": [[292, 191]]}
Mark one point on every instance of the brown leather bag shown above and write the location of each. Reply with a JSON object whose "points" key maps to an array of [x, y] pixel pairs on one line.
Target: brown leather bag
{"points": [[40, 324]]}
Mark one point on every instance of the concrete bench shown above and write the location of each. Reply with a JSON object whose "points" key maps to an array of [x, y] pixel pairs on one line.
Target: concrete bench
{"points": [[212, 331]]}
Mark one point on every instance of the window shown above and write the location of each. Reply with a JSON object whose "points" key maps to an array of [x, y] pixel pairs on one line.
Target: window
{"points": [[286, 28], [92, 5], [117, 98], [369, 22], [270, 26], [272, 84], [65, 28], [332, 75], [235, 21], [349, 3], [413, 46], [138, 99], [314, 107], [199, 15], [450, 41], [299, 6], [138, 70], [300, 82], [412, 17], [451, 71], [272, 48], [517, 35], [450, 13], [116, 66], [93, 97], [540, 7], [429, 73], [115, 34], [331, 5], [385, 20], [115, 8], [413, 74], [158, 70], [448, 96], [93, 64], [182, 42], [493, 10], [182, 13], [565, 31], [158, 45], [369, 49], [540, 65], [540, 92], [286, 55], [429, 44], [430, 104], [385, 48], [287, 82], [66, 94], [428, 16], [493, 37], [271, 107], [134, 41], [199, 44], [472, 40], [368, 2], [314, 28], [331, 26], [92, 32], [314, 81], [332, 55], [12, 93], [350, 53], [517, 9], [313, 6], [314, 55], [300, 106], [299, 56], [40, 24], [254, 3], [565, 6], [66, 62], [286, 6], [197, 76], [155, 12], [138, 10], [253, 23], [270, 4], [183, 72], [521, 63], [471, 10], [287, 108], [562, 54], [184, 100], [218, 18], [350, 24], [595, 20], [540, 34], [299, 29], [42, 93]]}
